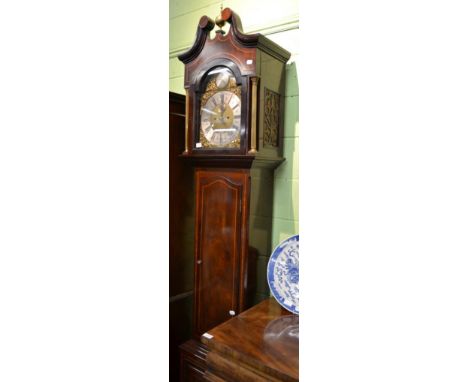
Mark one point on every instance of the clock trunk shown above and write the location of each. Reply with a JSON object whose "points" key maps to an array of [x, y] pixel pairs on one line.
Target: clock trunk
{"points": [[222, 208]]}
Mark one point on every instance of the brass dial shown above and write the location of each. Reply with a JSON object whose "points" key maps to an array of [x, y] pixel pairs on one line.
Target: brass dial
{"points": [[220, 118], [220, 112]]}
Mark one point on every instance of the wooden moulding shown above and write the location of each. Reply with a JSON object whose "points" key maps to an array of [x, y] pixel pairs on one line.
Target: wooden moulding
{"points": [[230, 161], [205, 25], [238, 349], [192, 360], [253, 40]]}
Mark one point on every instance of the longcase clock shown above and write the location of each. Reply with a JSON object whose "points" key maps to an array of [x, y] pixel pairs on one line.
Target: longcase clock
{"points": [[234, 115]]}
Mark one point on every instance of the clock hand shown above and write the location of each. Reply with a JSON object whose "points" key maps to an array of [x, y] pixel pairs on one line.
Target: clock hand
{"points": [[208, 111]]}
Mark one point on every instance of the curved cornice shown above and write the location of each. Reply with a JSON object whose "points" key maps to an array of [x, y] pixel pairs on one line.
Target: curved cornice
{"points": [[205, 25], [236, 28], [288, 23]]}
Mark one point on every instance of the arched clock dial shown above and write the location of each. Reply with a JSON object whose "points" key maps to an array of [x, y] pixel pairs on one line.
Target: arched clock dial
{"points": [[220, 110], [220, 118]]}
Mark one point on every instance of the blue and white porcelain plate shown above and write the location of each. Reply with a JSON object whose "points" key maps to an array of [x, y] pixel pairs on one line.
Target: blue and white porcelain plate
{"points": [[283, 274]]}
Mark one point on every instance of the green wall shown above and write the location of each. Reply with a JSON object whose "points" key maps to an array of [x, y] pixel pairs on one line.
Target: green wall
{"points": [[279, 20]]}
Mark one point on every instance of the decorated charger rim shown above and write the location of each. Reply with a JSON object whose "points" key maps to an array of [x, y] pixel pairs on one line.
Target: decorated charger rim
{"points": [[270, 269]]}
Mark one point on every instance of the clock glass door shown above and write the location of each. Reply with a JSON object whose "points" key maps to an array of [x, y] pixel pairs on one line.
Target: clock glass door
{"points": [[220, 111]]}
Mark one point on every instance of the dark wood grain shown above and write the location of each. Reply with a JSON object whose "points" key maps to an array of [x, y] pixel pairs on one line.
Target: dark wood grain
{"points": [[221, 208], [261, 344], [181, 203], [205, 25], [253, 39], [181, 217], [192, 361]]}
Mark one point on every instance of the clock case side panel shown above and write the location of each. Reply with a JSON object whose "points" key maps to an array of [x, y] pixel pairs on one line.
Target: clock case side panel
{"points": [[271, 85], [196, 90], [208, 315], [260, 229]]}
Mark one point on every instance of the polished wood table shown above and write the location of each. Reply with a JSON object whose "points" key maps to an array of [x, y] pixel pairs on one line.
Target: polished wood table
{"points": [[260, 344]]}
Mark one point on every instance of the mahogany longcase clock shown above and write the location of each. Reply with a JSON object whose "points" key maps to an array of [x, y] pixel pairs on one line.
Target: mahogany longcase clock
{"points": [[234, 114]]}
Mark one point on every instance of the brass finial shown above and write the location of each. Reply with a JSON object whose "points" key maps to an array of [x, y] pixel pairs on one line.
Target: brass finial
{"points": [[220, 21]]}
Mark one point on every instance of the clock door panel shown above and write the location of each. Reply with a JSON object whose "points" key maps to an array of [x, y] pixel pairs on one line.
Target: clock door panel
{"points": [[220, 221]]}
